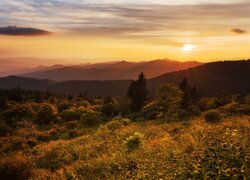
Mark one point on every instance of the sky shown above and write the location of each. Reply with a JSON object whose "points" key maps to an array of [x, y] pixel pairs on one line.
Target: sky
{"points": [[105, 30]]}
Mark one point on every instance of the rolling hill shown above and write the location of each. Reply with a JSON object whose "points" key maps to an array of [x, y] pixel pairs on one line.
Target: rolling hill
{"points": [[112, 70], [25, 83], [210, 78]]}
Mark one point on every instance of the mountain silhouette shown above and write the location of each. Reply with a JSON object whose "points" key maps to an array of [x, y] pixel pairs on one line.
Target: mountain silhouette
{"points": [[210, 78], [112, 70]]}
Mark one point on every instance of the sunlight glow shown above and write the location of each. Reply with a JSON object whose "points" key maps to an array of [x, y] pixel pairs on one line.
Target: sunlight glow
{"points": [[188, 47]]}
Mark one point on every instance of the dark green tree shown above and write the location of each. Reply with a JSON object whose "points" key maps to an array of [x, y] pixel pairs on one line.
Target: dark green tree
{"points": [[190, 94], [137, 92]]}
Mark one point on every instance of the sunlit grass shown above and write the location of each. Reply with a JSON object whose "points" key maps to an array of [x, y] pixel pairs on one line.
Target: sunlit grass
{"points": [[193, 149]]}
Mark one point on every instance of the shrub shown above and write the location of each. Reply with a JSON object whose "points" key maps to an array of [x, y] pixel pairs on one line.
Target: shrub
{"points": [[122, 106], [169, 98], [63, 105], [117, 123], [70, 114], [15, 167], [46, 114], [183, 114], [107, 109], [134, 141], [247, 99], [212, 116], [206, 103], [91, 118], [244, 109], [194, 110], [151, 110], [84, 103], [4, 129], [17, 112]]}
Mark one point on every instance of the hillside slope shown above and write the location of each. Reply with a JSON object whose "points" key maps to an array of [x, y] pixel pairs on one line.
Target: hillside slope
{"points": [[232, 76]]}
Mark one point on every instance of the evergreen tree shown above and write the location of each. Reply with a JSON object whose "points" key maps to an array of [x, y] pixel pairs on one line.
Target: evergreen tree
{"points": [[188, 94], [3, 101], [184, 85], [137, 92]]}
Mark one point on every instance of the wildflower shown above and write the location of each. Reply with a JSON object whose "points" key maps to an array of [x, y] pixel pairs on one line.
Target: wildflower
{"points": [[227, 131], [234, 133]]}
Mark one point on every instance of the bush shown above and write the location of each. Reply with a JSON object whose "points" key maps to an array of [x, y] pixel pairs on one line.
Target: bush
{"points": [[91, 118], [169, 98], [4, 129], [206, 103], [212, 116], [244, 109], [134, 141], [183, 114], [84, 103], [108, 109], [63, 105], [70, 114], [117, 123], [122, 106], [46, 114], [194, 110], [150, 111], [15, 167], [18, 112]]}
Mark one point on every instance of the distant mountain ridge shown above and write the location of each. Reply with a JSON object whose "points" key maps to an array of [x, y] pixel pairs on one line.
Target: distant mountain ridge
{"points": [[121, 70], [210, 78]]}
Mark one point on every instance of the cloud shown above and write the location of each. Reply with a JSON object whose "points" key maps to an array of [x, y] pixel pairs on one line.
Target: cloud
{"points": [[143, 18], [21, 31], [238, 31]]}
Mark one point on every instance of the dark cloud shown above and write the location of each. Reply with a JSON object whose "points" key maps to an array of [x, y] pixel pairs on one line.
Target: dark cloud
{"points": [[238, 31], [21, 31]]}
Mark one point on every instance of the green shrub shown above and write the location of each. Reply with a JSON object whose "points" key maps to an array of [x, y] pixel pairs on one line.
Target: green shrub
{"points": [[70, 114], [46, 114], [117, 123], [84, 103], [134, 141], [16, 167], [91, 118], [18, 112], [169, 98], [212, 116]]}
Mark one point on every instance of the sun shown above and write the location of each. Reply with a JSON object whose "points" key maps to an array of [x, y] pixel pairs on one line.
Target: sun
{"points": [[188, 47]]}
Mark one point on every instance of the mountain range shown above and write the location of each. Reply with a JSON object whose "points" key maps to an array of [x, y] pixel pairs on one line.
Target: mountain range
{"points": [[120, 70], [209, 78]]}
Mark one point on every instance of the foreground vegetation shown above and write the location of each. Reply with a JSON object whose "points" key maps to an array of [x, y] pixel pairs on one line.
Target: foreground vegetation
{"points": [[177, 134], [123, 149]]}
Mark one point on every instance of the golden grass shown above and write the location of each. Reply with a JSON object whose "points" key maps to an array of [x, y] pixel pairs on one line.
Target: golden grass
{"points": [[180, 150]]}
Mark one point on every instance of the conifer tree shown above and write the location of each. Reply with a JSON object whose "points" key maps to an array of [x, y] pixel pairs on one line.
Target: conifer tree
{"points": [[137, 92]]}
